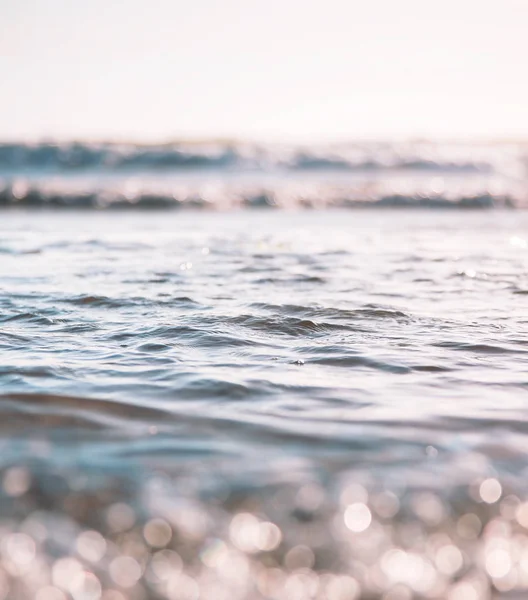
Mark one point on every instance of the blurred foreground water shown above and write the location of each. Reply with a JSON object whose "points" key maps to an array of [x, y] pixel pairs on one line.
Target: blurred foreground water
{"points": [[264, 404]]}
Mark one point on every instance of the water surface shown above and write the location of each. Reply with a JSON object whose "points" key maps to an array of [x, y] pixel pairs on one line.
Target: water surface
{"points": [[260, 404]]}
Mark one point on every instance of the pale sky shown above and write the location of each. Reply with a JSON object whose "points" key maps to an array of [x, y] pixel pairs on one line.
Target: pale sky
{"points": [[268, 69]]}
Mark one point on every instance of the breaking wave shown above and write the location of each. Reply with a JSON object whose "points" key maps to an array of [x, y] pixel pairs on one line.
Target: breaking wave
{"points": [[15, 196], [84, 156]]}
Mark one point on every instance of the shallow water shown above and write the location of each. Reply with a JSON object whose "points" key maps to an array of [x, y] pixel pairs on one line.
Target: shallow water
{"points": [[317, 404]]}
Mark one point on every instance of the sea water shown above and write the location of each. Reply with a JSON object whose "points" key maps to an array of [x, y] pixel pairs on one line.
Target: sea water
{"points": [[275, 402]]}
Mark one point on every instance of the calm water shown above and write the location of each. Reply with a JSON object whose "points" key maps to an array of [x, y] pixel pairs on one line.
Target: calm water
{"points": [[264, 404]]}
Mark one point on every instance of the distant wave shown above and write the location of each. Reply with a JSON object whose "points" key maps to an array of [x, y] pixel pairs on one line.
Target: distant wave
{"points": [[83, 156], [309, 162], [78, 156], [35, 197]]}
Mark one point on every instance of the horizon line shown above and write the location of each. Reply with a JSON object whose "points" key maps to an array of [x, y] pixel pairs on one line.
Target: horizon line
{"points": [[256, 140]]}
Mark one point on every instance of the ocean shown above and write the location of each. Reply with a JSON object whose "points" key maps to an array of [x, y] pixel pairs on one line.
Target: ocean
{"points": [[239, 371]]}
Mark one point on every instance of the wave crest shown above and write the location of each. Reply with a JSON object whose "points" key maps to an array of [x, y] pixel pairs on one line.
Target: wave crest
{"points": [[40, 197], [115, 157]]}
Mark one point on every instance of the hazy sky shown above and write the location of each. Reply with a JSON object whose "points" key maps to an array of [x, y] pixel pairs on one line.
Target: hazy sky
{"points": [[263, 68]]}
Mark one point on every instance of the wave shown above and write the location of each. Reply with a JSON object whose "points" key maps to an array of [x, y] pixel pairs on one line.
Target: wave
{"points": [[84, 156], [15, 196], [112, 157], [310, 162]]}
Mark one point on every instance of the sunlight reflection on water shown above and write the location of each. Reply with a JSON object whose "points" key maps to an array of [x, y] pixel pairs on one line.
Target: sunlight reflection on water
{"points": [[325, 405]]}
